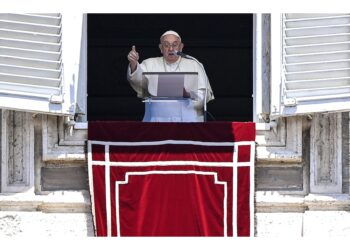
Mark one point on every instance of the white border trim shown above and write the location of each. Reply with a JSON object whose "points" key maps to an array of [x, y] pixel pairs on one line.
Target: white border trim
{"points": [[108, 191], [91, 184], [163, 142], [216, 181], [252, 190], [170, 163], [234, 192], [234, 164]]}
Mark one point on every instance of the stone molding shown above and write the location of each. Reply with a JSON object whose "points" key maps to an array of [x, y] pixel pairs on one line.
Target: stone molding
{"points": [[53, 202], [58, 144], [326, 153], [282, 143], [273, 202], [17, 152]]}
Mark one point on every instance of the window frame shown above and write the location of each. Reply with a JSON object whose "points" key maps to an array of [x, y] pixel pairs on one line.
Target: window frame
{"points": [[73, 76], [281, 105]]}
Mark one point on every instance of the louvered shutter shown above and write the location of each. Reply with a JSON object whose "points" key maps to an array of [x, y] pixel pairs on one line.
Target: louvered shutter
{"points": [[315, 63], [31, 67]]}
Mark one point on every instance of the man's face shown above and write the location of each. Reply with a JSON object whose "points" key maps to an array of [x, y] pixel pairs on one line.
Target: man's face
{"points": [[168, 45]]}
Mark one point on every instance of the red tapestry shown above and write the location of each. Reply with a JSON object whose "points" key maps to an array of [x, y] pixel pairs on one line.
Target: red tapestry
{"points": [[172, 179]]}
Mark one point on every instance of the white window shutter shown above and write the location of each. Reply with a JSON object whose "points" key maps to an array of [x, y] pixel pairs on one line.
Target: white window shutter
{"points": [[32, 74], [315, 63]]}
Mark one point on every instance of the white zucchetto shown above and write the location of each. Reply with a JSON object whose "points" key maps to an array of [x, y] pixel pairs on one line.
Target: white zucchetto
{"points": [[171, 32]]}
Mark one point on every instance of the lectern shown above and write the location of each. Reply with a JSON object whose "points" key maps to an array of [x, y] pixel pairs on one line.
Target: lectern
{"points": [[170, 96]]}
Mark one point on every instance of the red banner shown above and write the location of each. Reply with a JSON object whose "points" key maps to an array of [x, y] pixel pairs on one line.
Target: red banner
{"points": [[172, 179]]}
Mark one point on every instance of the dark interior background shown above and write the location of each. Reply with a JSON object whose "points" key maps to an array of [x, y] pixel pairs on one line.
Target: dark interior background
{"points": [[222, 42]]}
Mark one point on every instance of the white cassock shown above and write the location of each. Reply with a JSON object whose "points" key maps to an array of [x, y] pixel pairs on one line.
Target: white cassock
{"points": [[180, 111]]}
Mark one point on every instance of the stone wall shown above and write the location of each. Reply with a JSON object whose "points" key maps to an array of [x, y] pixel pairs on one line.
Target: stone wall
{"points": [[302, 177], [314, 200], [20, 223], [44, 183]]}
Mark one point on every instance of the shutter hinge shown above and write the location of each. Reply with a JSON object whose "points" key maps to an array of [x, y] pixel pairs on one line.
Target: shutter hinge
{"points": [[56, 99], [290, 102]]}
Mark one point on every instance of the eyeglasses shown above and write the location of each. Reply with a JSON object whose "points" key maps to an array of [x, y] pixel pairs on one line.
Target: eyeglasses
{"points": [[168, 45]]}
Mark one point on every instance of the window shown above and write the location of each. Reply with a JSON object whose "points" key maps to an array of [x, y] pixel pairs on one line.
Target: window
{"points": [[222, 42], [314, 63], [39, 62]]}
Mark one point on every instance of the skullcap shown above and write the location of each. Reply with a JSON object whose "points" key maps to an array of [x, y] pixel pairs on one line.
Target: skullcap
{"points": [[171, 32]]}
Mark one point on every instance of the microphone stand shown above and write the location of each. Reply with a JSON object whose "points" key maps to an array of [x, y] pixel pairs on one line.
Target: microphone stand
{"points": [[206, 80]]}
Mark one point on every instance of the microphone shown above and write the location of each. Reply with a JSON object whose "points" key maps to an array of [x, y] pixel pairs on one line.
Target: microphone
{"points": [[179, 53]]}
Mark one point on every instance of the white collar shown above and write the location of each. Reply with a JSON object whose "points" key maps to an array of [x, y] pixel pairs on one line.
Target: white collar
{"points": [[174, 63], [172, 67]]}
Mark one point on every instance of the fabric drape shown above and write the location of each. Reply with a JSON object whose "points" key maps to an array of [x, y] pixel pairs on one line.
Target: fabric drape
{"points": [[172, 179]]}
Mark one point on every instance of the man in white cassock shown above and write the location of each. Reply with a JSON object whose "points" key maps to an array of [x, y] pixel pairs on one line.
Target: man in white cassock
{"points": [[190, 110]]}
